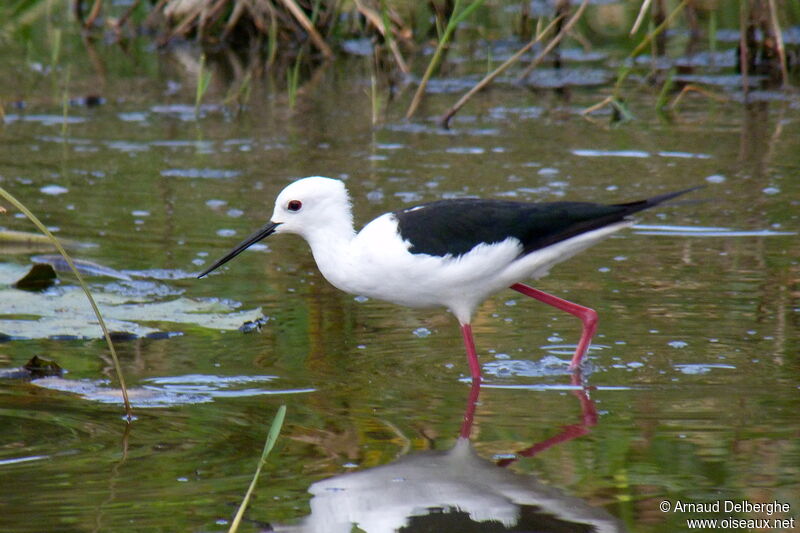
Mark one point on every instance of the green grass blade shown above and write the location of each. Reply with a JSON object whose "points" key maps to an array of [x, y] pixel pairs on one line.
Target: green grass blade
{"points": [[65, 105], [274, 430], [55, 50], [626, 69], [445, 120], [387, 25], [38, 223], [452, 24], [203, 80], [712, 31], [666, 89], [272, 40], [293, 80], [22, 6]]}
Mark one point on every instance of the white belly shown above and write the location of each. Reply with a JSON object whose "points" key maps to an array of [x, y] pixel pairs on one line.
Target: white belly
{"points": [[377, 264]]}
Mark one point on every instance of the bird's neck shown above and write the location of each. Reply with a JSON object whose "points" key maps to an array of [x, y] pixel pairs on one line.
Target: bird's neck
{"points": [[330, 246]]}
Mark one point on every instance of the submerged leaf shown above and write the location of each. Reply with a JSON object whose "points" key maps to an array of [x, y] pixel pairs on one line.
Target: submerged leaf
{"points": [[24, 237], [86, 268], [62, 312], [21, 242]]}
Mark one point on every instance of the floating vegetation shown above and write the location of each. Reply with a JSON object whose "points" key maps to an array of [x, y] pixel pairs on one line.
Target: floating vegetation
{"points": [[12, 242], [38, 278], [138, 308], [36, 368], [96, 316], [86, 268]]}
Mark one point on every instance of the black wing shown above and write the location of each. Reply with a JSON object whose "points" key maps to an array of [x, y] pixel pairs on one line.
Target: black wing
{"points": [[455, 227]]}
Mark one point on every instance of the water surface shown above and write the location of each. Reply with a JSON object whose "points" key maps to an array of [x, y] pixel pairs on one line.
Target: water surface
{"points": [[690, 393]]}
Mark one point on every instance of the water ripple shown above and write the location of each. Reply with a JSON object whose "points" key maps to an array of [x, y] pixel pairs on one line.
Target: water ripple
{"points": [[700, 231], [168, 391]]}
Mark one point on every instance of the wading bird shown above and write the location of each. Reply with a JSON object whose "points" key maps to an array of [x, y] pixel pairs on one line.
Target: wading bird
{"points": [[451, 253]]}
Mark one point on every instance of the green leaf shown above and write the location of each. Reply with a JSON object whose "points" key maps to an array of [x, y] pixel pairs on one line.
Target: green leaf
{"points": [[274, 430]]}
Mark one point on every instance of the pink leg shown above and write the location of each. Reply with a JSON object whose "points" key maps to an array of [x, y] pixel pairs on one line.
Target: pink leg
{"points": [[472, 355], [588, 317]]}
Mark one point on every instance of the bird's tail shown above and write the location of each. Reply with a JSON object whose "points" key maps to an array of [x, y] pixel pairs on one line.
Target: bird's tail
{"points": [[641, 205]]}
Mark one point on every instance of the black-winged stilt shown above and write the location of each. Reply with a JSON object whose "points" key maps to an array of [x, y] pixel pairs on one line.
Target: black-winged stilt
{"points": [[451, 253]]}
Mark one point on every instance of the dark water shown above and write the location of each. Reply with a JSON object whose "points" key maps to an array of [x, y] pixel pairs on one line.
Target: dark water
{"points": [[691, 394]]}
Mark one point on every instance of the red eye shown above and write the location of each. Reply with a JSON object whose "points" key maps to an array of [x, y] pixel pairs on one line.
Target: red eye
{"points": [[294, 205]]}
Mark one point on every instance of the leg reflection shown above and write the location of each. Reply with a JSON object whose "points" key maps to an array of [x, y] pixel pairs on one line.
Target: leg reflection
{"points": [[587, 421]]}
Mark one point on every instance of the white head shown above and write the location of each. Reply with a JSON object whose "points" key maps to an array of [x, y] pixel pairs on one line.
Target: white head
{"points": [[315, 208], [310, 204]]}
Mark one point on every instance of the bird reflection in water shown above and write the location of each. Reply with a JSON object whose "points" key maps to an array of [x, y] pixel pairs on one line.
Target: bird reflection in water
{"points": [[456, 491]]}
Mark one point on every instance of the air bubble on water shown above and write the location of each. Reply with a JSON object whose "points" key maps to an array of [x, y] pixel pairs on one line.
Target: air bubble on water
{"points": [[54, 190], [422, 332]]}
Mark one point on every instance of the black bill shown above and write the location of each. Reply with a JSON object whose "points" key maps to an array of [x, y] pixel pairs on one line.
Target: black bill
{"points": [[266, 231]]}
